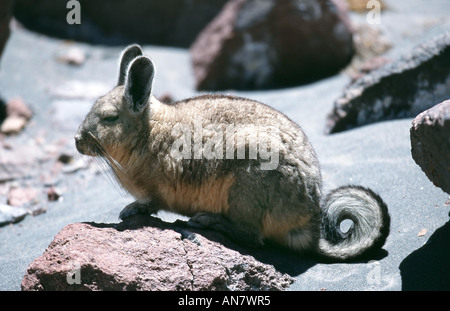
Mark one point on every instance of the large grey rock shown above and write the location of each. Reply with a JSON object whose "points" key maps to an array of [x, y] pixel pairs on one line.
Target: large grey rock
{"points": [[401, 89], [144, 253], [162, 22], [430, 144], [258, 44], [11, 214]]}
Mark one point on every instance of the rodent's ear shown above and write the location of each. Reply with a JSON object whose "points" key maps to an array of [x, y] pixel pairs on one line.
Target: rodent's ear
{"points": [[127, 56], [138, 83]]}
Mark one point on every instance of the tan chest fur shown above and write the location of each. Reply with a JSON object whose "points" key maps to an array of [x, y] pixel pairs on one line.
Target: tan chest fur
{"points": [[188, 199]]}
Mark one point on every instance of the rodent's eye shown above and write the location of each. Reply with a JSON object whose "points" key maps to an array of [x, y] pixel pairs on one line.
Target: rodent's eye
{"points": [[110, 118]]}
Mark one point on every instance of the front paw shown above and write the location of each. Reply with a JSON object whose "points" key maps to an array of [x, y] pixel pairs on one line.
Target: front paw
{"points": [[135, 208]]}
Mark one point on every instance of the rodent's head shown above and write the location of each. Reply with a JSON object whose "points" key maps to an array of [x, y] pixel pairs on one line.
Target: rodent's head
{"points": [[118, 121]]}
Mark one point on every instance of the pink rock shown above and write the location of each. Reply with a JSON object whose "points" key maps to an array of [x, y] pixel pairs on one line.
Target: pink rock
{"points": [[144, 253], [22, 196], [13, 125], [17, 107], [17, 116]]}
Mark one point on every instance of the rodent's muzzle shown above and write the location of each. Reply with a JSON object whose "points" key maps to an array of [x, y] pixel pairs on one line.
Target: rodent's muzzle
{"points": [[83, 145], [78, 143], [87, 144]]}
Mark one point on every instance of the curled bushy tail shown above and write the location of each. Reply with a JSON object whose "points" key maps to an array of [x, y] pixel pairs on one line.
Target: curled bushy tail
{"points": [[370, 228]]}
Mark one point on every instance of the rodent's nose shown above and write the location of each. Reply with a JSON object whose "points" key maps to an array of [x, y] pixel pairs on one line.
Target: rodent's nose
{"points": [[78, 142], [77, 139]]}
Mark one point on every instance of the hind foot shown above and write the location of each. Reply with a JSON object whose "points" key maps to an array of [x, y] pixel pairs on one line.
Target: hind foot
{"points": [[216, 222]]}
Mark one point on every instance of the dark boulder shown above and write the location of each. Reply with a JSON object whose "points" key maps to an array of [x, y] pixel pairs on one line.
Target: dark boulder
{"points": [[401, 89], [259, 44], [160, 22]]}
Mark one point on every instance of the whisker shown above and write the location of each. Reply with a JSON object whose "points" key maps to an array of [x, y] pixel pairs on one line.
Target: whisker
{"points": [[108, 171], [105, 160], [105, 154], [102, 166]]}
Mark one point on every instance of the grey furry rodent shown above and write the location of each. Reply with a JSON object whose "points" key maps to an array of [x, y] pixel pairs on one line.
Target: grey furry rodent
{"points": [[239, 196]]}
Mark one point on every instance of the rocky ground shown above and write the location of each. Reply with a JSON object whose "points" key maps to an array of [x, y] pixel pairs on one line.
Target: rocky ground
{"points": [[53, 187]]}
